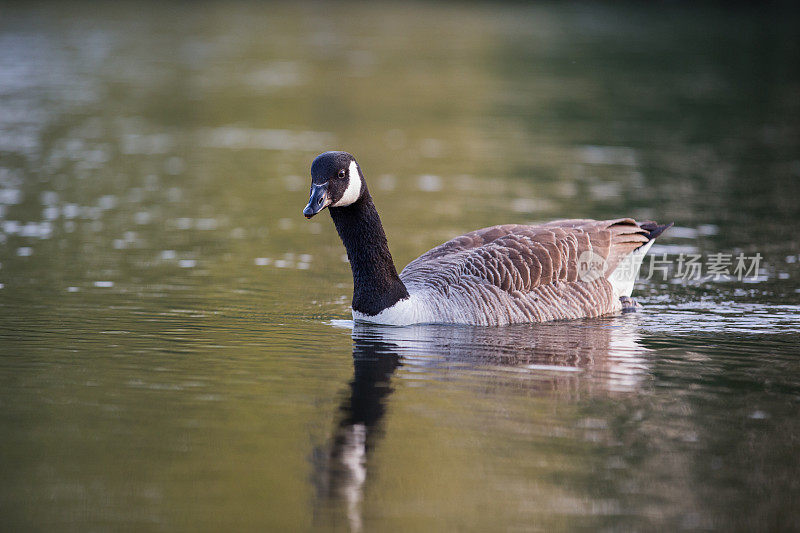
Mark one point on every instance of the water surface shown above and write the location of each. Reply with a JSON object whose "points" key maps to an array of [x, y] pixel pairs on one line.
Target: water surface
{"points": [[175, 346]]}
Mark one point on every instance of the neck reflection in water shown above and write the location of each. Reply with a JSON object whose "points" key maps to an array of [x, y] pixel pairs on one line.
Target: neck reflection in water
{"points": [[555, 356]]}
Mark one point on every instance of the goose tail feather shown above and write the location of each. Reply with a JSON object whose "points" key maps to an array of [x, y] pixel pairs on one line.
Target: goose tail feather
{"points": [[654, 229]]}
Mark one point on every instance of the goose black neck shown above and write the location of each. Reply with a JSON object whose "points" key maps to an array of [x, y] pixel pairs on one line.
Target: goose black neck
{"points": [[376, 285]]}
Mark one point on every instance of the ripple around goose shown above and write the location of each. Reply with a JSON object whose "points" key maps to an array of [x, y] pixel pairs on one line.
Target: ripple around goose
{"points": [[499, 275]]}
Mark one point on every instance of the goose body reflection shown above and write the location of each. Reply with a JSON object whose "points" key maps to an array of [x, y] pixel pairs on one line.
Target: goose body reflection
{"points": [[541, 358]]}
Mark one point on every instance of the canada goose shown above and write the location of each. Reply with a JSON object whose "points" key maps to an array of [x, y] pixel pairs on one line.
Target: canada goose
{"points": [[492, 276]]}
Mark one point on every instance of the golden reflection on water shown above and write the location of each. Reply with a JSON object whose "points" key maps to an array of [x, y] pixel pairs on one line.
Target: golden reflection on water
{"points": [[167, 353]]}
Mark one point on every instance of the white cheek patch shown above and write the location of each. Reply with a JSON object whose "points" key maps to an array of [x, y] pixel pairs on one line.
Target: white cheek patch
{"points": [[353, 190]]}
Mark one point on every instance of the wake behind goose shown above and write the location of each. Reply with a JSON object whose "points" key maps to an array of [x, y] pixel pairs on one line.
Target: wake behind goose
{"points": [[499, 275]]}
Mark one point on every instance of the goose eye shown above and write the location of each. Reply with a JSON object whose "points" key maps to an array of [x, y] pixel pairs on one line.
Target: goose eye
{"points": [[341, 173]]}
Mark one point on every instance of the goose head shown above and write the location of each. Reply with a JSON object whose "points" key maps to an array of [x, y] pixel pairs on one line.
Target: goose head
{"points": [[336, 181]]}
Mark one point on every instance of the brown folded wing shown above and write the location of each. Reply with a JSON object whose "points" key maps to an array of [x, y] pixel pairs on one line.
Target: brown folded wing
{"points": [[518, 273]]}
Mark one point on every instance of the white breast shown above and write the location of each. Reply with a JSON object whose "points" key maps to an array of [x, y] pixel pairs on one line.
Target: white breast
{"points": [[411, 310]]}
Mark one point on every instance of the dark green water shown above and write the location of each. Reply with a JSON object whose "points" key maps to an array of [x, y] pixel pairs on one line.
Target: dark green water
{"points": [[175, 349]]}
